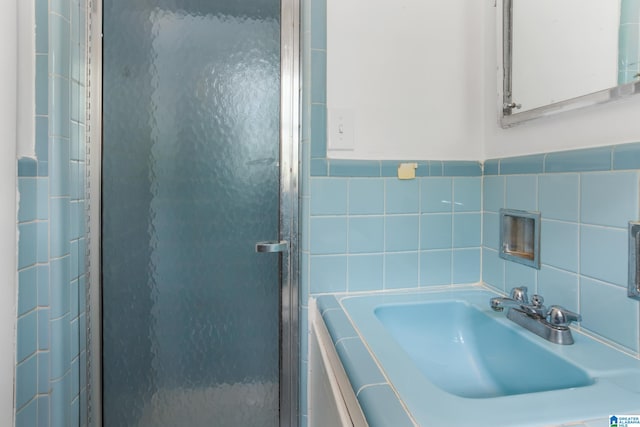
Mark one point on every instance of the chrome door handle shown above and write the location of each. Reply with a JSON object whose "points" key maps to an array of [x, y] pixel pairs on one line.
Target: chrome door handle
{"points": [[272, 246]]}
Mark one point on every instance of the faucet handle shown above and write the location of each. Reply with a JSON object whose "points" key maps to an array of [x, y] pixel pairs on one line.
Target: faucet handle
{"points": [[560, 316], [537, 301], [520, 294]]}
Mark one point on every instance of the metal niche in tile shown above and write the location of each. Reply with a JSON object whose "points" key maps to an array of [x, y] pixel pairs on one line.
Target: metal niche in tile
{"points": [[520, 237]]}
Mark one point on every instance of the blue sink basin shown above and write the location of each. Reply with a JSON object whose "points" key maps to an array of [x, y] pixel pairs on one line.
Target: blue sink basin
{"points": [[453, 361], [469, 354]]}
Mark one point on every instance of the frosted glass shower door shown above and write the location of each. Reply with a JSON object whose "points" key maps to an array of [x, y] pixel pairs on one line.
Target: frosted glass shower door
{"points": [[190, 312]]}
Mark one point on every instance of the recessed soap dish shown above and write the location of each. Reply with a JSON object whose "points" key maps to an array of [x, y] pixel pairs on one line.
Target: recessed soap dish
{"points": [[520, 237], [634, 265]]}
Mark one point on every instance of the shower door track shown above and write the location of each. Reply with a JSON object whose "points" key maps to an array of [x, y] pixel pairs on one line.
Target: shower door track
{"points": [[288, 227]]}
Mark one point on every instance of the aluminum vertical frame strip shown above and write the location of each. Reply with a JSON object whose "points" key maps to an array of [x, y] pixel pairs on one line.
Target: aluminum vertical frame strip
{"points": [[507, 56], [289, 174], [94, 180], [633, 285]]}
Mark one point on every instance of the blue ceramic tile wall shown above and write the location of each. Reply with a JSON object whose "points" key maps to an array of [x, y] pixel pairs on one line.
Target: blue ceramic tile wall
{"points": [[354, 222], [51, 359], [586, 199], [362, 229]]}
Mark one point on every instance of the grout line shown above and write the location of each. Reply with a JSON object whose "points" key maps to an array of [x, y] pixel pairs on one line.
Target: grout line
{"points": [[345, 338], [348, 184], [384, 234], [370, 385], [503, 265], [452, 196], [611, 157], [420, 183], [602, 227], [482, 214]]}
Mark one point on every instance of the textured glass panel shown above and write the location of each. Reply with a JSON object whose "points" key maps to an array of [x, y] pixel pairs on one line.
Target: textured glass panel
{"points": [[190, 183]]}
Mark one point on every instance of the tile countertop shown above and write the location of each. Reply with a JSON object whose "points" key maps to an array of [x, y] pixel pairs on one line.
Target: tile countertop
{"points": [[380, 404], [378, 397]]}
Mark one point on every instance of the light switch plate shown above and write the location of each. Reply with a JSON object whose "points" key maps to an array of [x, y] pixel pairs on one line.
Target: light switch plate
{"points": [[341, 129]]}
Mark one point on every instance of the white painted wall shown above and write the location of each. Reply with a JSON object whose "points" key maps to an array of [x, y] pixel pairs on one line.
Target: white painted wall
{"points": [[421, 78], [8, 120], [563, 49], [411, 70], [612, 123], [26, 105]]}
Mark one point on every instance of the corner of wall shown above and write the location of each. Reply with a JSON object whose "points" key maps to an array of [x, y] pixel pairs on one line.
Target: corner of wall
{"points": [[26, 77], [8, 207]]}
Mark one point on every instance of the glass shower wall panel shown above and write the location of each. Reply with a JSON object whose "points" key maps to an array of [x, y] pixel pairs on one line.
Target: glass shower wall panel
{"points": [[190, 182]]}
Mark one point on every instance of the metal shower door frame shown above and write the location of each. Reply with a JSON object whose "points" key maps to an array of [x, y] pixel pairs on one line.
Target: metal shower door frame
{"points": [[289, 180], [288, 229]]}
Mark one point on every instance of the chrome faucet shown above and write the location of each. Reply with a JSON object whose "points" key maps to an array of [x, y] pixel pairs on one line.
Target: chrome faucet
{"points": [[550, 323], [520, 301]]}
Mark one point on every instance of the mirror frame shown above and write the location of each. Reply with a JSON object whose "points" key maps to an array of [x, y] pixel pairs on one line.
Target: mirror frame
{"points": [[509, 118]]}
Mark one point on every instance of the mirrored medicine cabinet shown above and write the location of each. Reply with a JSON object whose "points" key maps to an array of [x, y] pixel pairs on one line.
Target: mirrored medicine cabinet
{"points": [[560, 55]]}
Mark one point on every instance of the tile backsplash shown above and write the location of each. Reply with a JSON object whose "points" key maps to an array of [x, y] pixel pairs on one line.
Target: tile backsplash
{"points": [[364, 233], [586, 199], [364, 230], [383, 233]]}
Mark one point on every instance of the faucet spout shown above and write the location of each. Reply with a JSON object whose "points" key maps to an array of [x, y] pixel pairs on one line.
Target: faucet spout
{"points": [[500, 303], [534, 309]]}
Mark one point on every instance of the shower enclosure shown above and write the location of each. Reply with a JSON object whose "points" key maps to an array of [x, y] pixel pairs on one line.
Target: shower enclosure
{"points": [[199, 163]]}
